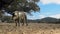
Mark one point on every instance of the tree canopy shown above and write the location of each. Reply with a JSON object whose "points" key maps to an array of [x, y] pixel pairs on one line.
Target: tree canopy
{"points": [[21, 5]]}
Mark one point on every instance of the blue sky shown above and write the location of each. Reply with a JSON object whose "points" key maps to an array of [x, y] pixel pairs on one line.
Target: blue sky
{"points": [[49, 8]]}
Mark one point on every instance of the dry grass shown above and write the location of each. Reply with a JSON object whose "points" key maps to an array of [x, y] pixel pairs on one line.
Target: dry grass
{"points": [[32, 28]]}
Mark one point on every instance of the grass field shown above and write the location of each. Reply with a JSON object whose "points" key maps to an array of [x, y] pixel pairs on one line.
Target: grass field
{"points": [[32, 28]]}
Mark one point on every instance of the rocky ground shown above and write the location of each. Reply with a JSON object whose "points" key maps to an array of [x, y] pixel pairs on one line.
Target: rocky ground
{"points": [[32, 28]]}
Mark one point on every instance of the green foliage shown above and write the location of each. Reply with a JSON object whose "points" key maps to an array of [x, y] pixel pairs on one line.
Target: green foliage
{"points": [[20, 5], [8, 19], [24, 5]]}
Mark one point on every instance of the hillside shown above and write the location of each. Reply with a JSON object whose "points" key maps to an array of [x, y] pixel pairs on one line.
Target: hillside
{"points": [[49, 19], [45, 20]]}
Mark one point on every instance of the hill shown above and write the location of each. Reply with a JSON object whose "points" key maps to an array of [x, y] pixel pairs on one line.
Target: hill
{"points": [[49, 19], [45, 20]]}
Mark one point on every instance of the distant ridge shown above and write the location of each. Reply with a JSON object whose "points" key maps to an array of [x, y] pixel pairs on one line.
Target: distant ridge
{"points": [[49, 19], [46, 19]]}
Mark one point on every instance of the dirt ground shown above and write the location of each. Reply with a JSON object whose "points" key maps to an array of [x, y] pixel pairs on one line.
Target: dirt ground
{"points": [[32, 28]]}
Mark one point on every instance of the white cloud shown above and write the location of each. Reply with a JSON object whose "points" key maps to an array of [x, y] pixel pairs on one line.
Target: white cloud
{"points": [[30, 17], [50, 1], [56, 16], [53, 16], [42, 16], [36, 17]]}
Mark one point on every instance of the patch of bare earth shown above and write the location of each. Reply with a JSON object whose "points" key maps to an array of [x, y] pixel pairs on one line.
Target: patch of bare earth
{"points": [[32, 28]]}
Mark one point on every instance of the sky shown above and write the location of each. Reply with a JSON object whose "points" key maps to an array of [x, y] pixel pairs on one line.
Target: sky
{"points": [[48, 8]]}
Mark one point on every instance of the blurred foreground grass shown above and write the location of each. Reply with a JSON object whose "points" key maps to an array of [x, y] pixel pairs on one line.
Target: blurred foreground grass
{"points": [[32, 28]]}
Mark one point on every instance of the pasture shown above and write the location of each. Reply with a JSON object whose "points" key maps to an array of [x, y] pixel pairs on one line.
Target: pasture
{"points": [[32, 28]]}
